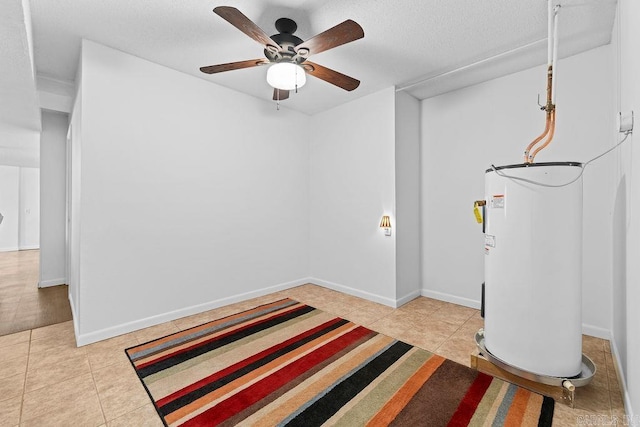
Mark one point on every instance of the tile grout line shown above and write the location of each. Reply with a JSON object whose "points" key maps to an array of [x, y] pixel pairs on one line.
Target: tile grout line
{"points": [[454, 332], [95, 386], [104, 415], [24, 384]]}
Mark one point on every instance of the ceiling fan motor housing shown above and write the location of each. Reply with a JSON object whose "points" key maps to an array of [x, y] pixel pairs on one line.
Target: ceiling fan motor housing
{"points": [[286, 25], [287, 42]]}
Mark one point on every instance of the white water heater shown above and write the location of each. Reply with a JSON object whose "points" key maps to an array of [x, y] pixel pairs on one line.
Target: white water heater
{"points": [[533, 267]]}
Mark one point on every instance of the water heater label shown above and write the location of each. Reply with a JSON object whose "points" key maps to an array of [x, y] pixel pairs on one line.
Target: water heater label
{"points": [[497, 201], [489, 241]]}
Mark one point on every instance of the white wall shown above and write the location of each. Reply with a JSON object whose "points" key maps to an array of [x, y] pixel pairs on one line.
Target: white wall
{"points": [[407, 173], [465, 131], [29, 229], [74, 192], [192, 196], [19, 204], [19, 160], [352, 185], [626, 220], [19, 146], [53, 198], [9, 207]]}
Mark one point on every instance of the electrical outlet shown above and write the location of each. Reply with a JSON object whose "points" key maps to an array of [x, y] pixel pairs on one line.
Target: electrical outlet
{"points": [[625, 122]]}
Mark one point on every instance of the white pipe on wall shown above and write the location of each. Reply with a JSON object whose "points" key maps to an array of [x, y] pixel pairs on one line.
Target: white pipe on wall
{"points": [[555, 54], [549, 31]]}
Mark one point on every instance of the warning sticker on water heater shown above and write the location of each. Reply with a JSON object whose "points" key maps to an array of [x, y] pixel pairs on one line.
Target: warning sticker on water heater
{"points": [[497, 201], [489, 241]]}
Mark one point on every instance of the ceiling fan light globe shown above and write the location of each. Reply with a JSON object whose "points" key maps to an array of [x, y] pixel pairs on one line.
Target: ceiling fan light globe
{"points": [[286, 76]]}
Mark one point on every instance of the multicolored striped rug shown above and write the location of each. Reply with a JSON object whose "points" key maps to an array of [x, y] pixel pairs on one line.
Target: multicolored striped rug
{"points": [[286, 363]]}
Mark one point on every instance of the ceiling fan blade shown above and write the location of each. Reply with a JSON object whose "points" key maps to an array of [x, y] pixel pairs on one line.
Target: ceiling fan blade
{"points": [[345, 32], [280, 94], [328, 75], [244, 24], [212, 69]]}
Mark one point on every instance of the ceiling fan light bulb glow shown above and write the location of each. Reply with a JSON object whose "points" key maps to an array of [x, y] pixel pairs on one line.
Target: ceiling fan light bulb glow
{"points": [[286, 76]]}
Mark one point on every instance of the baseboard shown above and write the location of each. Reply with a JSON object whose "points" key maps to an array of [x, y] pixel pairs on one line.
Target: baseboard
{"points": [[52, 282], [124, 328], [625, 391], [29, 248], [467, 302], [596, 331], [355, 292], [9, 249], [409, 297]]}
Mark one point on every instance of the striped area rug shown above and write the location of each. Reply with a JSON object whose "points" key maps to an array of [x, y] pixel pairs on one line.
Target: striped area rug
{"points": [[286, 363]]}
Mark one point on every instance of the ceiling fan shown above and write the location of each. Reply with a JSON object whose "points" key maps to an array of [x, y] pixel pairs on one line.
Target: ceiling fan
{"points": [[288, 54]]}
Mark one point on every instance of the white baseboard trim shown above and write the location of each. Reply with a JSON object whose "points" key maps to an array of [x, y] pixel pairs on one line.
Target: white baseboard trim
{"points": [[467, 302], [625, 391], [124, 328], [596, 331], [355, 292], [409, 297], [9, 249], [52, 282], [29, 248]]}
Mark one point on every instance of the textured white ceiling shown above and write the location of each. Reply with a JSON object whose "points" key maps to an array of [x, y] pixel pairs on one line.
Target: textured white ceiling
{"points": [[405, 41]]}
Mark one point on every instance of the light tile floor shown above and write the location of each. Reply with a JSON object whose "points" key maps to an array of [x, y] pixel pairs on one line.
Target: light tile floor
{"points": [[45, 380]]}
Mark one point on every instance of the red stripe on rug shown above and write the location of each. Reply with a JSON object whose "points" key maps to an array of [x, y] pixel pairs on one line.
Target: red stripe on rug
{"points": [[220, 374], [470, 402], [217, 337], [264, 387]]}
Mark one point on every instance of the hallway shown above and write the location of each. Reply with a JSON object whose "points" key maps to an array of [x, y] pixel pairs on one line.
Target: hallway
{"points": [[22, 305]]}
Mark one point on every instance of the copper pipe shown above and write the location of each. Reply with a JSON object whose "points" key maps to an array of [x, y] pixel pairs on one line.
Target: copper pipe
{"points": [[549, 138], [538, 139], [549, 108], [551, 83]]}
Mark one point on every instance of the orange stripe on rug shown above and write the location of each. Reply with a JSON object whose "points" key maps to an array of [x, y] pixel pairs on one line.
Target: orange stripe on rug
{"points": [[518, 407], [399, 400]]}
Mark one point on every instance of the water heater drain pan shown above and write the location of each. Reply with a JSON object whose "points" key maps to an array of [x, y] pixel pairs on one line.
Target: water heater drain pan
{"points": [[586, 374]]}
